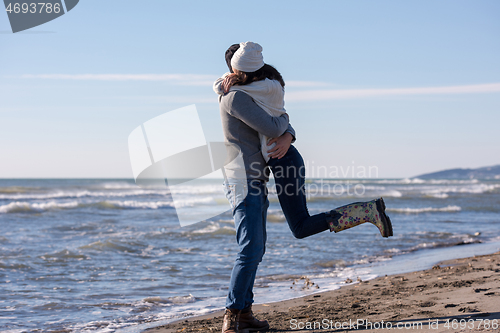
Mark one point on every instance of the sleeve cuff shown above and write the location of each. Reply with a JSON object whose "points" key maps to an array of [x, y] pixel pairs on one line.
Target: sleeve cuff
{"points": [[293, 135]]}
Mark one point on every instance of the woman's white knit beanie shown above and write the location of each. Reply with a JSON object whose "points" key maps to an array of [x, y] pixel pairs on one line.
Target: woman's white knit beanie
{"points": [[248, 58]]}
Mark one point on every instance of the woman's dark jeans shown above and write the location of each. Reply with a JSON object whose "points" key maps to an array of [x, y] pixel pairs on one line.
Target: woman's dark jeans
{"points": [[289, 175]]}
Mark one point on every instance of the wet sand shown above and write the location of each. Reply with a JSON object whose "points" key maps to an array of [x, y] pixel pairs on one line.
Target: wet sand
{"points": [[460, 295]]}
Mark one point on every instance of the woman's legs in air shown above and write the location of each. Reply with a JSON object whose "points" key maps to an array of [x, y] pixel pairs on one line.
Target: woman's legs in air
{"points": [[289, 175]]}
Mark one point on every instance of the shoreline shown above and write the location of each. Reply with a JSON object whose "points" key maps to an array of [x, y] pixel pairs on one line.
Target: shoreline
{"points": [[466, 289]]}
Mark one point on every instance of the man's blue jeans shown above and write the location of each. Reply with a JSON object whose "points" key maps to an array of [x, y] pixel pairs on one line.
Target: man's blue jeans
{"points": [[250, 214], [250, 223]]}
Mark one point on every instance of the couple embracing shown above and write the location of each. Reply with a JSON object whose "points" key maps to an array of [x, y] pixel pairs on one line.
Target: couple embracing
{"points": [[251, 99]]}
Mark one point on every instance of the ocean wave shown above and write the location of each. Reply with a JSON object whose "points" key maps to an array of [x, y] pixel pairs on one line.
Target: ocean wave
{"points": [[442, 192], [111, 191], [16, 189], [408, 210], [52, 306], [131, 204], [197, 189], [215, 229], [143, 314], [24, 207], [353, 181], [275, 215], [434, 245], [391, 193], [393, 251], [170, 300], [27, 207], [452, 181], [436, 194], [114, 245], [432, 188], [332, 263], [63, 255], [418, 181], [350, 191], [373, 191], [80, 194], [118, 185], [403, 181], [15, 266]]}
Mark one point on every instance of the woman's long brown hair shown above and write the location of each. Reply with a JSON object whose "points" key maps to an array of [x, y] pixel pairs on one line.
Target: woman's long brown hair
{"points": [[265, 72]]}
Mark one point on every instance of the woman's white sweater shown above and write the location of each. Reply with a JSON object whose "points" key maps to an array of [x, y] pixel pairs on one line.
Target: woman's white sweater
{"points": [[268, 94]]}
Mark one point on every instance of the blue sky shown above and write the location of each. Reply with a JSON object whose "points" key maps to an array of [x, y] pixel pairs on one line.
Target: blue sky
{"points": [[407, 86]]}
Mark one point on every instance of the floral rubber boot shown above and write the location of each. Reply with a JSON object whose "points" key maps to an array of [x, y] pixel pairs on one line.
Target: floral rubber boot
{"points": [[357, 213]]}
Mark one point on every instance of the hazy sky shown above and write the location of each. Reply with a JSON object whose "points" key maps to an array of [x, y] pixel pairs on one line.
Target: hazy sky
{"points": [[407, 87]]}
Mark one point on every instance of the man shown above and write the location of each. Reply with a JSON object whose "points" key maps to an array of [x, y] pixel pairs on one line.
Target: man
{"points": [[242, 121]]}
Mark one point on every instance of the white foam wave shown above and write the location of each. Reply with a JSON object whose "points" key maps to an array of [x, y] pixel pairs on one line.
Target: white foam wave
{"points": [[472, 189], [22, 206], [118, 185], [417, 181], [437, 194], [425, 209], [114, 190], [275, 216], [404, 181], [17, 206], [170, 300], [196, 189], [392, 193], [81, 194], [412, 181], [374, 188], [393, 250], [132, 204], [452, 181], [333, 189], [215, 228], [137, 204], [368, 181]]}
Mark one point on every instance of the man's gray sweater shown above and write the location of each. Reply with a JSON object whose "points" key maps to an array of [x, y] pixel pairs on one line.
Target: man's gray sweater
{"points": [[242, 121]]}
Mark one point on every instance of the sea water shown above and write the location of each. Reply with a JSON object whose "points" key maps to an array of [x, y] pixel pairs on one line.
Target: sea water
{"points": [[108, 256]]}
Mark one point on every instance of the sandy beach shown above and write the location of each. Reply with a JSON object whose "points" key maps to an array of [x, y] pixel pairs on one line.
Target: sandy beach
{"points": [[461, 295]]}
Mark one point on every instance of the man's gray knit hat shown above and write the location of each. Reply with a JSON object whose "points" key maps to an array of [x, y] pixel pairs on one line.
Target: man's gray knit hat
{"points": [[248, 58]]}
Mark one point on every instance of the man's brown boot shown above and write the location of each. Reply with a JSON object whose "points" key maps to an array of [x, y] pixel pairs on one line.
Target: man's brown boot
{"points": [[231, 321], [248, 322]]}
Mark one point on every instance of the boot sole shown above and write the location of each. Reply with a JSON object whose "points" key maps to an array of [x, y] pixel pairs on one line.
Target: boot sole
{"points": [[255, 329], [386, 221]]}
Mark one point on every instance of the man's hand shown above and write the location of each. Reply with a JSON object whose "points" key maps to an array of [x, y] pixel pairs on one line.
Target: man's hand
{"points": [[282, 144], [229, 82]]}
